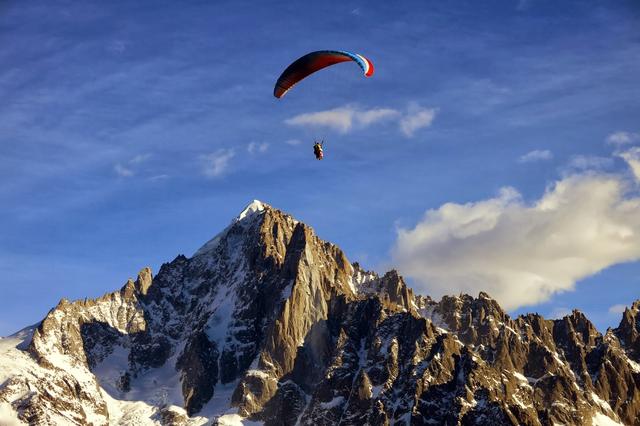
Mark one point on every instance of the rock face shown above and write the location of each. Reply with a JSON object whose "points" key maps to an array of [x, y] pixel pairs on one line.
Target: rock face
{"points": [[269, 323]]}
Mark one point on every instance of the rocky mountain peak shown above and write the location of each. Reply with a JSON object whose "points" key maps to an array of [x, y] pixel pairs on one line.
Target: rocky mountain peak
{"points": [[629, 330], [140, 286], [144, 280], [268, 322]]}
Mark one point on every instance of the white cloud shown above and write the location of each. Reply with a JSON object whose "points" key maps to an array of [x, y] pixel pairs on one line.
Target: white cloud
{"points": [[588, 162], [617, 309], [536, 155], [217, 163], [157, 178], [632, 157], [523, 253], [293, 142], [622, 138], [342, 119], [347, 118], [122, 171], [257, 147], [417, 118], [366, 118]]}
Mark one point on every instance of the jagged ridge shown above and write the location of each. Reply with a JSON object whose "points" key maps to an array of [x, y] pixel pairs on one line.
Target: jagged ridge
{"points": [[268, 322]]}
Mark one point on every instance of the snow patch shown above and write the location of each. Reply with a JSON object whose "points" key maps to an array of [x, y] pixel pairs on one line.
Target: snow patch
{"points": [[128, 412], [362, 281], [110, 371], [15, 362], [524, 381], [8, 417], [210, 245], [601, 420], [557, 358], [335, 402], [634, 365], [235, 420], [13, 358], [220, 402], [602, 403], [429, 312], [223, 307], [259, 373]]}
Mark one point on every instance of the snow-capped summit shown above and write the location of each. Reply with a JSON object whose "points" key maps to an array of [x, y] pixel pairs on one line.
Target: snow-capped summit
{"points": [[268, 323], [253, 207]]}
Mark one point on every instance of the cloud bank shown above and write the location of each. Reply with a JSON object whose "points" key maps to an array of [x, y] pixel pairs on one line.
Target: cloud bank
{"points": [[348, 118], [523, 253]]}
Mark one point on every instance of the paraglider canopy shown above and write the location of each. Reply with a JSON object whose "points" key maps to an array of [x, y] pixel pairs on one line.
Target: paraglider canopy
{"points": [[315, 61]]}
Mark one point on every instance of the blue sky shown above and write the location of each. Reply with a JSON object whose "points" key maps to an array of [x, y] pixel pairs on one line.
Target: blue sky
{"points": [[130, 133]]}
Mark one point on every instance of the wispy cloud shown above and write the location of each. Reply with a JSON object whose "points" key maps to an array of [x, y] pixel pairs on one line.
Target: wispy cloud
{"points": [[347, 118], [293, 142], [158, 178], [127, 169], [117, 46], [372, 116], [632, 157], [217, 163], [617, 309], [122, 171], [588, 162], [416, 118], [141, 158], [536, 155], [342, 119], [257, 147], [523, 253], [622, 138]]}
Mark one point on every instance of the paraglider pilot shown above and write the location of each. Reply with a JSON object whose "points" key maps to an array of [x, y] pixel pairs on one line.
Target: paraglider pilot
{"points": [[317, 150]]}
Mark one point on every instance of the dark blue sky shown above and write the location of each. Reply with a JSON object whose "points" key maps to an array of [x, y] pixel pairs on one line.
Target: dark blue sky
{"points": [[130, 133]]}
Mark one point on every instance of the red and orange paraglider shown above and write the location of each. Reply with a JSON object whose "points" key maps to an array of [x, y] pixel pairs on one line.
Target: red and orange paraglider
{"points": [[306, 65], [315, 61]]}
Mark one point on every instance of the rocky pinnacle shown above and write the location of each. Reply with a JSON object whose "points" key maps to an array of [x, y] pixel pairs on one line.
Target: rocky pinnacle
{"points": [[269, 323]]}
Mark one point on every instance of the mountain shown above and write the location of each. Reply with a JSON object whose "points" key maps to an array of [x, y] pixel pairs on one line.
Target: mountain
{"points": [[269, 324]]}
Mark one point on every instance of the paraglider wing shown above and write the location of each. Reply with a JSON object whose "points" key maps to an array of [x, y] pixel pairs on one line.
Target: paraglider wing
{"points": [[315, 61]]}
